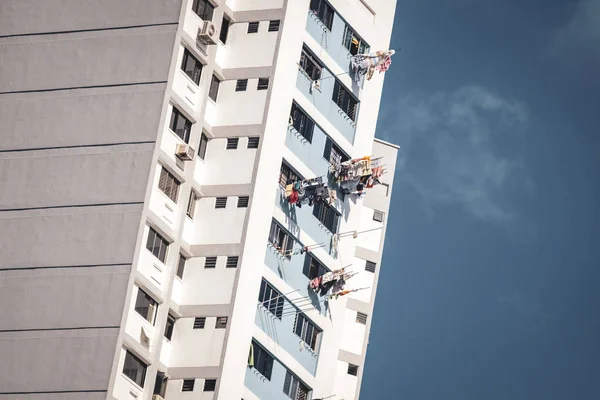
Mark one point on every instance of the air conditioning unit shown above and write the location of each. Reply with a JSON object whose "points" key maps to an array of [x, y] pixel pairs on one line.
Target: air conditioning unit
{"points": [[185, 152], [207, 33], [157, 397]]}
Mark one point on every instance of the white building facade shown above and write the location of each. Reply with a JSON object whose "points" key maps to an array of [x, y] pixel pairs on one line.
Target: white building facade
{"points": [[202, 304]]}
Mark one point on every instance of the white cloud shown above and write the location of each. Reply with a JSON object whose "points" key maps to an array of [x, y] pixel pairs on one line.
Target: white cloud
{"points": [[449, 148]]}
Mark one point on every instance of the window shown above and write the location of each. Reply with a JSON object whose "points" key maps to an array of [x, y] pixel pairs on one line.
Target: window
{"points": [[271, 299], [333, 153], [286, 175], [253, 142], [263, 362], [224, 30], [202, 146], [213, 92], [242, 202], [323, 11], [146, 306], [204, 9], [313, 268], [191, 66], [344, 100], [352, 369], [199, 322], [370, 266], [220, 202], [180, 125], [210, 262], [361, 318], [188, 385], [280, 238], [302, 122], [263, 84], [160, 384], [232, 262], [327, 215], [232, 143], [252, 27], [157, 245], [191, 208], [181, 266], [169, 327], [241, 85], [134, 369], [293, 388], [274, 26], [221, 323], [310, 65], [353, 43], [307, 331], [168, 184], [210, 385], [377, 216]]}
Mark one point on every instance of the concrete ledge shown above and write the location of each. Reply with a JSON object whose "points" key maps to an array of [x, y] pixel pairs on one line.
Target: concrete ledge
{"points": [[225, 249], [193, 372], [204, 310]]}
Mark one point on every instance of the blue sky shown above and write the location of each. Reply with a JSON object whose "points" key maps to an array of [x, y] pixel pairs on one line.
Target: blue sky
{"points": [[490, 283]]}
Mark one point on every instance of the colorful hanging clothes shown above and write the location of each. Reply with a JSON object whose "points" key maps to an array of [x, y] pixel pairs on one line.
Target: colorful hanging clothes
{"points": [[366, 64]]}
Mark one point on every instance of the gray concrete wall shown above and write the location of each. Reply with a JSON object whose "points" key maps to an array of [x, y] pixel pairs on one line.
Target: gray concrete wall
{"points": [[82, 86]]}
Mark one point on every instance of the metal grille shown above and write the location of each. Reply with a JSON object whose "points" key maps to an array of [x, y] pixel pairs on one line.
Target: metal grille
{"points": [[361, 318], [243, 201], [370, 266], [168, 184], [253, 142], [232, 262], [210, 262], [252, 27], [188, 385], [377, 216], [232, 143], [274, 26], [221, 202], [352, 369], [263, 84], [221, 323], [199, 322], [241, 85]]}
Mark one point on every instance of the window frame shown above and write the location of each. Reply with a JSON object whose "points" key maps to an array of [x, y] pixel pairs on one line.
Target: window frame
{"points": [[370, 266], [361, 318], [243, 201], [274, 25], [169, 327], [210, 385], [208, 262], [229, 262], [138, 379], [345, 100], [294, 386], [308, 61], [199, 323], [331, 148], [224, 32], [207, 8], [271, 299], [378, 216], [192, 203], [313, 269], [263, 360], [202, 146], [219, 324], [347, 42], [324, 11], [241, 85], [196, 74], [302, 122], [290, 174], [219, 205], [261, 85], [253, 142], [322, 210], [168, 184], [309, 332], [181, 132], [180, 266], [151, 308], [189, 387], [232, 143], [352, 369], [213, 91], [283, 238], [251, 27], [163, 244]]}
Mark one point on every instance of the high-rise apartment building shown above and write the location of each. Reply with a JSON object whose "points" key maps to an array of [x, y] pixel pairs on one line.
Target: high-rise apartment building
{"points": [[161, 232]]}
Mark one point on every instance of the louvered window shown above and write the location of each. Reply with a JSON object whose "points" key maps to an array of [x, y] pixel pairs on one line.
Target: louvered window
{"points": [[263, 84], [209, 385], [327, 216], [220, 202], [199, 322], [302, 122], [253, 142], [271, 299], [293, 388], [180, 125], [361, 318], [280, 238], [157, 245], [274, 26], [210, 262], [252, 27], [168, 184], [370, 266], [191, 208], [243, 201], [307, 331], [344, 100], [377, 216], [232, 143], [232, 262], [221, 323], [191, 66], [241, 85], [188, 385], [352, 369]]}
